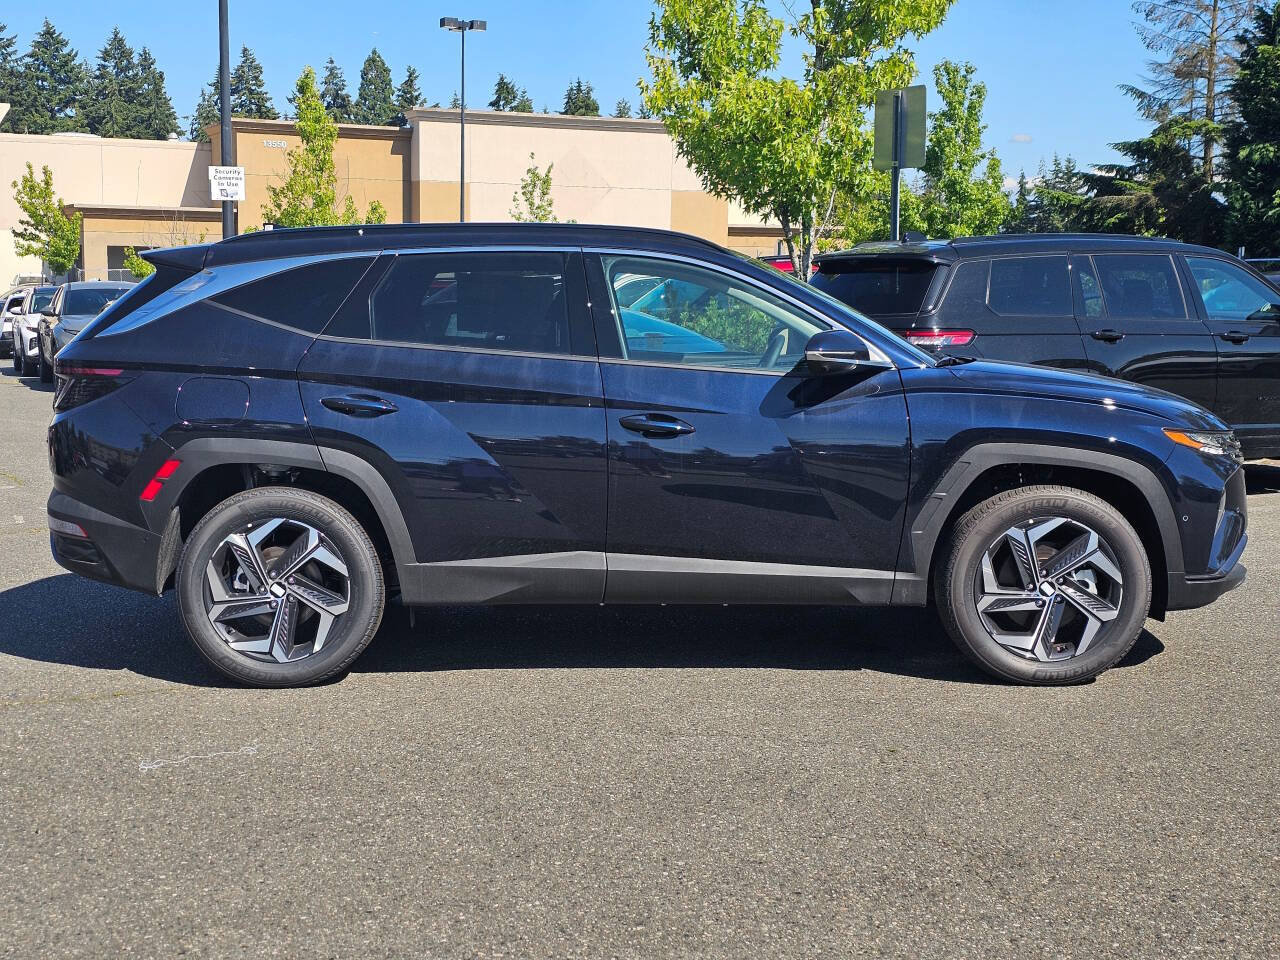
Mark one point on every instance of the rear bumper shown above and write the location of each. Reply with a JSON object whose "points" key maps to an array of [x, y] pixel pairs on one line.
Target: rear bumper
{"points": [[114, 551]]}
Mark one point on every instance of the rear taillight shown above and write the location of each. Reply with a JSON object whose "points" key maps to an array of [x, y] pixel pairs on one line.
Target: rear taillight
{"points": [[78, 384], [936, 339], [152, 489]]}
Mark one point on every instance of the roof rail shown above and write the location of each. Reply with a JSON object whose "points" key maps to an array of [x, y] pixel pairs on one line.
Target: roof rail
{"points": [[1053, 237]]}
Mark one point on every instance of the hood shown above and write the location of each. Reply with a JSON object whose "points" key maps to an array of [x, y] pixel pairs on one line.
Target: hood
{"points": [[74, 322], [1019, 379]]}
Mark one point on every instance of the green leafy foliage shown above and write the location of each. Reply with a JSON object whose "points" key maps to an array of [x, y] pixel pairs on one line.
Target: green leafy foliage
{"points": [[140, 268], [375, 100], [308, 197], [532, 202], [333, 92], [622, 109], [48, 87], [1253, 141], [408, 96], [507, 97], [249, 97], [155, 118], [112, 106], [43, 230], [782, 146], [580, 100], [736, 325]]}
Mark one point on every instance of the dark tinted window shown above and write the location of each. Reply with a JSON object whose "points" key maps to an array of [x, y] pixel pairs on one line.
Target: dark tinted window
{"points": [[304, 298], [1087, 288], [495, 301], [877, 287], [968, 289], [1030, 287], [1139, 286], [41, 299], [89, 301]]}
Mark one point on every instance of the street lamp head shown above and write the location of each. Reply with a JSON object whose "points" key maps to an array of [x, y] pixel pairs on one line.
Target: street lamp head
{"points": [[458, 26], [451, 23], [477, 25]]}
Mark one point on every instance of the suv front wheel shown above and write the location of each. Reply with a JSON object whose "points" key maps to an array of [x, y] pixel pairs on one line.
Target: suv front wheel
{"points": [[280, 587], [1044, 585]]}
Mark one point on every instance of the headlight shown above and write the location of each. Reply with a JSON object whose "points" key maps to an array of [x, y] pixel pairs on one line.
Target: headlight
{"points": [[1213, 443]]}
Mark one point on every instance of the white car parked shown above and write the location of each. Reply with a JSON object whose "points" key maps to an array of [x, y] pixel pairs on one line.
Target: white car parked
{"points": [[20, 309]]}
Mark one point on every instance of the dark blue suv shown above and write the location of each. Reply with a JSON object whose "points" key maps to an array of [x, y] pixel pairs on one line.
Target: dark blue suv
{"points": [[289, 428]]}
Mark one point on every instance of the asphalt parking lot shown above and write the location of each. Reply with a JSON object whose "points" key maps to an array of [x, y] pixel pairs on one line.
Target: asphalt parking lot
{"points": [[625, 782]]}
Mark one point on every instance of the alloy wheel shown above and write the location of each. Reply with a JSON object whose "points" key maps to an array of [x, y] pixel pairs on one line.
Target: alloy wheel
{"points": [[274, 590], [1047, 588]]}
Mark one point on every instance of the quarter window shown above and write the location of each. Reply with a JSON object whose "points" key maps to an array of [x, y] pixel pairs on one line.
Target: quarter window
{"points": [[702, 317], [304, 298], [1229, 293], [511, 301], [1140, 286], [1087, 287], [1030, 287]]}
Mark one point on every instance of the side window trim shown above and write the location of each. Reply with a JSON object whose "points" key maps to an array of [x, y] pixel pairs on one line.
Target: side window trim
{"points": [[1085, 261]]}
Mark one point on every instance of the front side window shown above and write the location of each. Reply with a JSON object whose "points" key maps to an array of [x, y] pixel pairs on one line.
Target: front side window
{"points": [[1229, 293], [1030, 287], [691, 315], [504, 300], [1140, 286]]}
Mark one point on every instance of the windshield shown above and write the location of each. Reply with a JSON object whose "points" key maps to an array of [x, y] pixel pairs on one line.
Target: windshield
{"points": [[843, 312], [89, 301], [877, 287]]}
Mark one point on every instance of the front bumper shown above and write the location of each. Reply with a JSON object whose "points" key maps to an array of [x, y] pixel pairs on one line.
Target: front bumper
{"points": [[1188, 593], [114, 551]]}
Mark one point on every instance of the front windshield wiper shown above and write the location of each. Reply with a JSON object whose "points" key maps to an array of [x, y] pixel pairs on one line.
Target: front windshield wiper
{"points": [[950, 361]]}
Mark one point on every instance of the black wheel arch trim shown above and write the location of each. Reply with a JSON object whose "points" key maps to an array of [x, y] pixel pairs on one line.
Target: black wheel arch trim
{"points": [[912, 583]]}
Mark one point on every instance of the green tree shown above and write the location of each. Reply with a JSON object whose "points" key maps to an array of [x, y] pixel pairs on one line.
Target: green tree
{"points": [[1020, 219], [206, 113], [455, 102], [333, 91], [375, 100], [49, 86], [140, 268], [1196, 47], [532, 202], [781, 146], [1059, 198], [249, 97], [1253, 141], [8, 71], [308, 197], [408, 96], [112, 107], [622, 109], [580, 100], [44, 231], [156, 119], [505, 94], [524, 102]]}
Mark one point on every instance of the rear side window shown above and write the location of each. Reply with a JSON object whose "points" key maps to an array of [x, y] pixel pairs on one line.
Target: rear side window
{"points": [[1030, 287], [1140, 286], [512, 301], [304, 298], [877, 287]]}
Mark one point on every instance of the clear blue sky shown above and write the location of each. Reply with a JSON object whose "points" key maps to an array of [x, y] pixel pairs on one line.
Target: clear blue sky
{"points": [[1052, 68]]}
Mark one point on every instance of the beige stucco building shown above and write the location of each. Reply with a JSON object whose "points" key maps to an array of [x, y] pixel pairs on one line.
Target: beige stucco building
{"points": [[146, 193]]}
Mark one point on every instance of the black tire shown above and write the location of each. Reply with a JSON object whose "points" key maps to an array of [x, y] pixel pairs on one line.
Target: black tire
{"points": [[956, 585], [46, 369], [17, 357], [350, 633]]}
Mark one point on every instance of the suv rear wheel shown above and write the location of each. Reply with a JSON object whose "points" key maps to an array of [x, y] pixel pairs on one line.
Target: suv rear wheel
{"points": [[280, 587], [1044, 585]]}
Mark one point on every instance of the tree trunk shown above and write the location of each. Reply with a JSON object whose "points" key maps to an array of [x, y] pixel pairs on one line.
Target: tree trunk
{"points": [[1210, 90]]}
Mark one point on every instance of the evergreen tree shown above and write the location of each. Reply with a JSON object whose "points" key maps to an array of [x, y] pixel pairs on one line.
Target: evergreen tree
{"points": [[249, 97], [455, 103], [48, 86], [206, 113], [156, 119], [333, 93], [1253, 141], [1020, 220], [8, 71], [408, 96], [580, 100], [505, 94], [112, 107], [375, 100], [622, 108], [524, 102], [644, 113]]}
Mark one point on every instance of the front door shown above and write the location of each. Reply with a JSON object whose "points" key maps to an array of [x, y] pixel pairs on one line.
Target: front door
{"points": [[1138, 325], [469, 382], [1242, 312], [734, 475]]}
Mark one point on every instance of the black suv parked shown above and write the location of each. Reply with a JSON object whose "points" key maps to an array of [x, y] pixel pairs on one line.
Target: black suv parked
{"points": [[1191, 320], [289, 427]]}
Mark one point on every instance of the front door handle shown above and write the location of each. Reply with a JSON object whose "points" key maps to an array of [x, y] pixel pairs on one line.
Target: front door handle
{"points": [[360, 405], [1107, 336], [656, 425], [1235, 336]]}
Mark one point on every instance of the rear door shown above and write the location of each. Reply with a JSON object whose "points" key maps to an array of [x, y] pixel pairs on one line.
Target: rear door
{"points": [[733, 473], [469, 381], [1139, 324], [1012, 308], [1243, 313]]}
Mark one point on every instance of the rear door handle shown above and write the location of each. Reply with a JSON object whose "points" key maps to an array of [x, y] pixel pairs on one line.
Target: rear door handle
{"points": [[1235, 336], [1107, 336], [656, 425], [360, 405]]}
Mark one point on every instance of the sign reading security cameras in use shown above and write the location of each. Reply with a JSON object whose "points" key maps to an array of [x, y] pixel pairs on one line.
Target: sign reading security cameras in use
{"points": [[226, 183]]}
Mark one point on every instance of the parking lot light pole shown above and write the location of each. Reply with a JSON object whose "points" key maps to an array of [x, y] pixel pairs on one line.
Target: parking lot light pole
{"points": [[224, 107], [461, 27]]}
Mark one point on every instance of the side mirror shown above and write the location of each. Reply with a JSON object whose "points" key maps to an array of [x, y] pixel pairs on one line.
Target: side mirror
{"points": [[1268, 314], [835, 351], [48, 312], [17, 309]]}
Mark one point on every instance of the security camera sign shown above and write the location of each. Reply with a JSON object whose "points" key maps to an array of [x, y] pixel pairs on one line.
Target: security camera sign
{"points": [[226, 183]]}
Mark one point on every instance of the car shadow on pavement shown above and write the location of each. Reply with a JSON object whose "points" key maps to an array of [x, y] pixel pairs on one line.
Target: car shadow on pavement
{"points": [[1262, 478], [31, 380], [69, 620]]}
